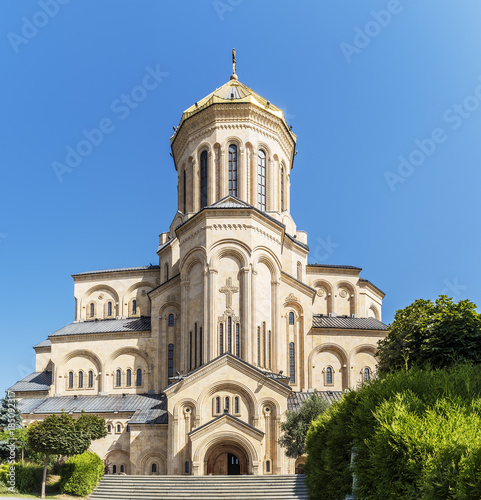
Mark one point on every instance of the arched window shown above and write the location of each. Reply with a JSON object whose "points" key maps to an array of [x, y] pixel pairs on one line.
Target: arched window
{"points": [[261, 180], [258, 346], [139, 377], [134, 307], [122, 468], [119, 428], [91, 379], [118, 378], [291, 318], [129, 378], [70, 380], [171, 360], [217, 404], [268, 466], [229, 335], [80, 379], [292, 363], [221, 338], [109, 308], [154, 468], [195, 345], [92, 310], [109, 428], [114, 469], [236, 404], [237, 339], [282, 188], [233, 170], [201, 347], [187, 468], [329, 377], [171, 319], [203, 179], [185, 192], [367, 374], [227, 404]]}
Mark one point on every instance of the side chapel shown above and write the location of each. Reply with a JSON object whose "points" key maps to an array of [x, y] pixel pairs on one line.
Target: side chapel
{"points": [[194, 362]]}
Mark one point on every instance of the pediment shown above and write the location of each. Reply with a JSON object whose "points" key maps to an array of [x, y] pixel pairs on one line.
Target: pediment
{"points": [[230, 202], [226, 423]]}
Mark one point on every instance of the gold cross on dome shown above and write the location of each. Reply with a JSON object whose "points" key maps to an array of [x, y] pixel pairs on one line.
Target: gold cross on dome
{"points": [[233, 62], [229, 291]]}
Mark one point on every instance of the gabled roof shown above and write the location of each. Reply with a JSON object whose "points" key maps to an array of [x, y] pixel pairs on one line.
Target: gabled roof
{"points": [[230, 202], [44, 343], [140, 268], [143, 406], [36, 381], [141, 324], [296, 399], [227, 416], [347, 323]]}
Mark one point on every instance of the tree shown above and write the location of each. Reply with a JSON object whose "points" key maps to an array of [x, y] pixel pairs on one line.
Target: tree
{"points": [[12, 435], [62, 435], [438, 334], [297, 423]]}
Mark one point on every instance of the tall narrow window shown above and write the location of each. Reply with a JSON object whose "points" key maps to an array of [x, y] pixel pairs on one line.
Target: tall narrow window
{"points": [[233, 170], [269, 353], [154, 468], [292, 363], [118, 378], [237, 339], [258, 346], [171, 360], [291, 318], [229, 335], [92, 310], [236, 404], [201, 347], [171, 319], [203, 179], [185, 192], [190, 351], [134, 307], [109, 309], [166, 271], [264, 344], [195, 346], [217, 404], [128, 378], [80, 380], [367, 374], [114, 469], [221, 338], [139, 377], [122, 468], [328, 375], [261, 180], [70, 380], [187, 468], [227, 404], [91, 379], [282, 188]]}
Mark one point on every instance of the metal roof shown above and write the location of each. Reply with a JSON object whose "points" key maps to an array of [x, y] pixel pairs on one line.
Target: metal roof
{"points": [[347, 322], [36, 381], [142, 406], [362, 280], [101, 271], [141, 324], [296, 399], [335, 266], [44, 343]]}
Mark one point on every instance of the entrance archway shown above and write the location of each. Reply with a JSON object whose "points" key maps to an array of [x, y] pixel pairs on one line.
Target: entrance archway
{"points": [[227, 459]]}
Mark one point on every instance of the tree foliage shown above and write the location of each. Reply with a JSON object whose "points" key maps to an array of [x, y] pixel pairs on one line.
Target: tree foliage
{"points": [[12, 433], [81, 473], [297, 423], [437, 334]]}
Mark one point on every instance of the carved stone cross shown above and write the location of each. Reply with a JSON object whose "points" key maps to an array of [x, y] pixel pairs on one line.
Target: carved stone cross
{"points": [[229, 291]]}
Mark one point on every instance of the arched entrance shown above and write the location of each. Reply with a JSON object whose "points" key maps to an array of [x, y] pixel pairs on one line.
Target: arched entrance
{"points": [[227, 459]]}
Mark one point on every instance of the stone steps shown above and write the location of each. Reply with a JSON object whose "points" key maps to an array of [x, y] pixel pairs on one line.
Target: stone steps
{"points": [[201, 487]]}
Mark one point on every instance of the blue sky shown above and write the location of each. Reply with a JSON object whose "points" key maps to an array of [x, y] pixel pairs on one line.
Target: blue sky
{"points": [[384, 98]]}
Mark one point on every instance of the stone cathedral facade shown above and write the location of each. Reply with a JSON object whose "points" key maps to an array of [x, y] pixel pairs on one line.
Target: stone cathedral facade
{"points": [[194, 362]]}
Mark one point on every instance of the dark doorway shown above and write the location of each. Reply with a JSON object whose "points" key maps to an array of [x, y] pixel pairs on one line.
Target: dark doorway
{"points": [[233, 465]]}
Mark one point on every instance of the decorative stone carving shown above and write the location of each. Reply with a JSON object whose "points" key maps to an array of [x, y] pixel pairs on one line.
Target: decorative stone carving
{"points": [[292, 298]]}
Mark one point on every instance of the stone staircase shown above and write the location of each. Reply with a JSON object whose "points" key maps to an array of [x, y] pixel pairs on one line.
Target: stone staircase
{"points": [[201, 487]]}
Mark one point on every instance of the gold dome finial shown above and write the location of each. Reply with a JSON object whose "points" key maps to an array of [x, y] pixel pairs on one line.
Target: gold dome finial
{"points": [[233, 76]]}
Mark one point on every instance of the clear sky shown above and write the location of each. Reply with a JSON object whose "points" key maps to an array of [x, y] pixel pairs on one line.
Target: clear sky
{"points": [[384, 97]]}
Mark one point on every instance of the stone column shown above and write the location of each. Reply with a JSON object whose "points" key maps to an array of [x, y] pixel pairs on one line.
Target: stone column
{"points": [[184, 368], [222, 175], [270, 202], [195, 186], [242, 164], [253, 332], [210, 178], [244, 314], [276, 347]]}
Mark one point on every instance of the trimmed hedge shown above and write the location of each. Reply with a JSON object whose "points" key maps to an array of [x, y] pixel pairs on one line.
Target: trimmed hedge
{"points": [[27, 479], [417, 435], [81, 473]]}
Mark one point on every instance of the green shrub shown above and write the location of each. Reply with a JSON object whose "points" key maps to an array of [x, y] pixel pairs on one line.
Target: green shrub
{"points": [[28, 476], [81, 473], [417, 436]]}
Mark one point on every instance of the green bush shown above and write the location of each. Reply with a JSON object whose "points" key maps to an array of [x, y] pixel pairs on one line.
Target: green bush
{"points": [[28, 476], [417, 435], [81, 473]]}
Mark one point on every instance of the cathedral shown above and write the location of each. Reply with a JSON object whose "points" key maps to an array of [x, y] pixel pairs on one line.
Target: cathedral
{"points": [[194, 362]]}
